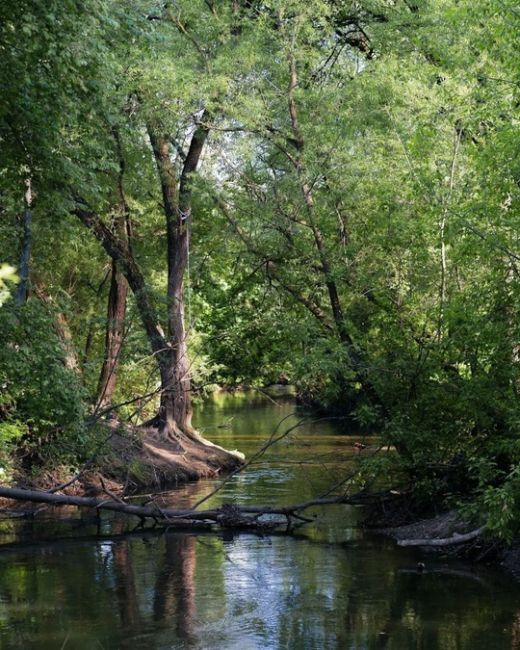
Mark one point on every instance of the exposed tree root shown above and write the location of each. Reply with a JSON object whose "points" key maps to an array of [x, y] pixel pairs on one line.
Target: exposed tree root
{"points": [[136, 458]]}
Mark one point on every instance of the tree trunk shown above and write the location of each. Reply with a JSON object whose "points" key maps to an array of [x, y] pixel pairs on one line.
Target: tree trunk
{"points": [[114, 334], [174, 416], [456, 538], [176, 410], [227, 515], [116, 308], [120, 252], [173, 419], [176, 401], [25, 256]]}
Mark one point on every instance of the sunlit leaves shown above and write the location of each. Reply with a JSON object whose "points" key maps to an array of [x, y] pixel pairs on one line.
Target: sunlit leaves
{"points": [[7, 276]]}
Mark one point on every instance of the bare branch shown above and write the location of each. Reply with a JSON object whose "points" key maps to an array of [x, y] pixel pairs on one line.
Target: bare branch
{"points": [[446, 541]]}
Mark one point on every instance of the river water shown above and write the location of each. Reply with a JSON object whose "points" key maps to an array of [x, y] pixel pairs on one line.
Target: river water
{"points": [[330, 586]]}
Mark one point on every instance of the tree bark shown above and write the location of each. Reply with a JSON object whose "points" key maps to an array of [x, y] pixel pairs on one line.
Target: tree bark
{"points": [[25, 256], [176, 410], [116, 307], [170, 350], [114, 334]]}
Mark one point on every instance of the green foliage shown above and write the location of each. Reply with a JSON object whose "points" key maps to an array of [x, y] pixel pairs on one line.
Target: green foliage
{"points": [[7, 275], [41, 407], [354, 225]]}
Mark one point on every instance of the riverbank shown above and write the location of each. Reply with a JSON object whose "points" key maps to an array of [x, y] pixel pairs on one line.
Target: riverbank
{"points": [[132, 459], [448, 535], [129, 459]]}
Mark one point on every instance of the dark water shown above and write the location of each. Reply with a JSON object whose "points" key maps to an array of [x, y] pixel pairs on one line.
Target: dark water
{"points": [[61, 587]]}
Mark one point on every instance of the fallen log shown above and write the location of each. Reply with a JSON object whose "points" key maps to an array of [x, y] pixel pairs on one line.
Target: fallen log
{"points": [[456, 538], [225, 516], [153, 512]]}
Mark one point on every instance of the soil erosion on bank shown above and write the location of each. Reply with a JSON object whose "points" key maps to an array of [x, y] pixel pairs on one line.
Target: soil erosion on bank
{"points": [[133, 459]]}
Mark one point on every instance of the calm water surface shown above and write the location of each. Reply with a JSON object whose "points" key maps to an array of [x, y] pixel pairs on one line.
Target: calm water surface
{"points": [[328, 586]]}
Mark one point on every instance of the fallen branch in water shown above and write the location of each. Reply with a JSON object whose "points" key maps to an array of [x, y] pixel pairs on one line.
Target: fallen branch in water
{"points": [[457, 538], [272, 440], [226, 516]]}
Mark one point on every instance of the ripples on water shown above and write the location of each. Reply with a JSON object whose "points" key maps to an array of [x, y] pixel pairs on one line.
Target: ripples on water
{"points": [[326, 587]]}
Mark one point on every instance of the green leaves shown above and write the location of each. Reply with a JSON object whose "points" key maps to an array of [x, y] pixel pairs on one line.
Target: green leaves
{"points": [[7, 276], [400, 126], [40, 399]]}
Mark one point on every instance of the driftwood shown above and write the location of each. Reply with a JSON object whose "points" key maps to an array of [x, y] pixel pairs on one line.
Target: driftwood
{"points": [[457, 538], [226, 516]]}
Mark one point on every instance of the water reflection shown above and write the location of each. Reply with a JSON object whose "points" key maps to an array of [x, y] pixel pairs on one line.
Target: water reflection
{"points": [[326, 587], [126, 590], [181, 591], [174, 596]]}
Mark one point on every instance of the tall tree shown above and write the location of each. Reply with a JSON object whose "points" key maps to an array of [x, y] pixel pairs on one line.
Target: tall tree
{"points": [[175, 168]]}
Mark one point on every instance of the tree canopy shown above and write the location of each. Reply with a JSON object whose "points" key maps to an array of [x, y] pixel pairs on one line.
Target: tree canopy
{"points": [[201, 193]]}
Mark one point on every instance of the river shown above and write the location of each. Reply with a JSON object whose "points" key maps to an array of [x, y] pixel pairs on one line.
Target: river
{"points": [[329, 586]]}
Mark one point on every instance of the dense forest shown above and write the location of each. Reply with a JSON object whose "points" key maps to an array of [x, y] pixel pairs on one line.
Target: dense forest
{"points": [[225, 193]]}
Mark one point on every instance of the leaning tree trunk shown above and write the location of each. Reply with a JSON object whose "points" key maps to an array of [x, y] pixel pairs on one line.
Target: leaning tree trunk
{"points": [[119, 250], [114, 334], [116, 308]]}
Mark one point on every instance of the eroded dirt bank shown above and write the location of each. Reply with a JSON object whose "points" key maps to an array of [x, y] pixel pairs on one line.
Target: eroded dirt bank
{"points": [[135, 459]]}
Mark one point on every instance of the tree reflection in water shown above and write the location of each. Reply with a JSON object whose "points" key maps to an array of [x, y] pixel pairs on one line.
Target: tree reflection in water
{"points": [[125, 583], [329, 586], [174, 597]]}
